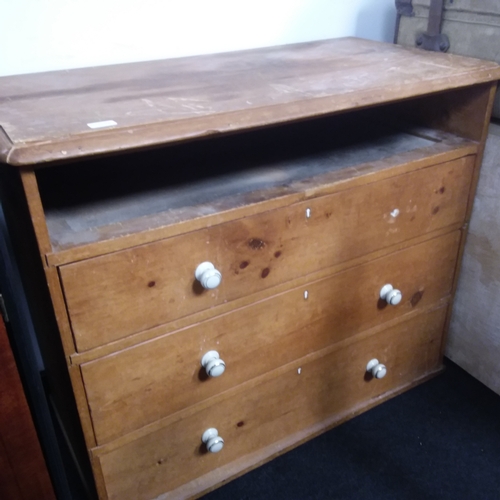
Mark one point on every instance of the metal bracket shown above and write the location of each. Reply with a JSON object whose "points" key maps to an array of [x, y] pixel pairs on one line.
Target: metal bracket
{"points": [[433, 39], [404, 8], [436, 43]]}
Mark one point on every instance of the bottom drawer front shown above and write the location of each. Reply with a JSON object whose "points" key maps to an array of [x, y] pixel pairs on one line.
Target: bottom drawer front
{"points": [[273, 409]]}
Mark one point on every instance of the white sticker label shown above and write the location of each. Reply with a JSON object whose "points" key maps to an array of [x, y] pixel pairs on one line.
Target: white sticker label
{"points": [[103, 124]]}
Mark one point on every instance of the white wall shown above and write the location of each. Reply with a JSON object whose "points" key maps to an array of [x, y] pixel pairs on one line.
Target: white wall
{"points": [[41, 35]]}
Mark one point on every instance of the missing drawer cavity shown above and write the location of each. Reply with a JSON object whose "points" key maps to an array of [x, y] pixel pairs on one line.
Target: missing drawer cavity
{"points": [[117, 195]]}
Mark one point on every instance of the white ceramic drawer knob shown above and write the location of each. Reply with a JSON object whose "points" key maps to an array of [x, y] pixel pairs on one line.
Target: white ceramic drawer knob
{"points": [[208, 276], [212, 363], [212, 440], [378, 370], [391, 295]]}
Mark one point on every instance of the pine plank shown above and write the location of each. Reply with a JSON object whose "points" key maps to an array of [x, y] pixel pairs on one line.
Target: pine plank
{"points": [[46, 116]]}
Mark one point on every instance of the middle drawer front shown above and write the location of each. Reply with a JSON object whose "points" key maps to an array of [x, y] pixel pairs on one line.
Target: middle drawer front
{"points": [[116, 295], [157, 378], [303, 396]]}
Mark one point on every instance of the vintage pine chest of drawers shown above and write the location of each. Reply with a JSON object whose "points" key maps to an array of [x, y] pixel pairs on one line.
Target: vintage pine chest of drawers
{"points": [[238, 251]]}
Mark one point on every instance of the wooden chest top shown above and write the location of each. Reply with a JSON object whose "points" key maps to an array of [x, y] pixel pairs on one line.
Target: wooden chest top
{"points": [[67, 114]]}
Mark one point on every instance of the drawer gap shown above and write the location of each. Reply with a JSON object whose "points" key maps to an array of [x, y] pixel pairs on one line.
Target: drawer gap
{"points": [[105, 198]]}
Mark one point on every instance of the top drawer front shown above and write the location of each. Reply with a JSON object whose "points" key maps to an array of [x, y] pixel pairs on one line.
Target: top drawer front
{"points": [[116, 295]]}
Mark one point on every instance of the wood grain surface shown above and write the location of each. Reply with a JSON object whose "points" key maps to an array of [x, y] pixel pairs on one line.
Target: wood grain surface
{"points": [[277, 407], [52, 116], [116, 295], [160, 377]]}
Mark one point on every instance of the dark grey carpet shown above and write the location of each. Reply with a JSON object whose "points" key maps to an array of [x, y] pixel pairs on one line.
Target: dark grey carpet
{"points": [[440, 440]]}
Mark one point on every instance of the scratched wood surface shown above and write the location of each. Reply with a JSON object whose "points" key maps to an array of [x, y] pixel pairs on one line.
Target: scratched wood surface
{"points": [[163, 376], [50, 116], [155, 283], [277, 406]]}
